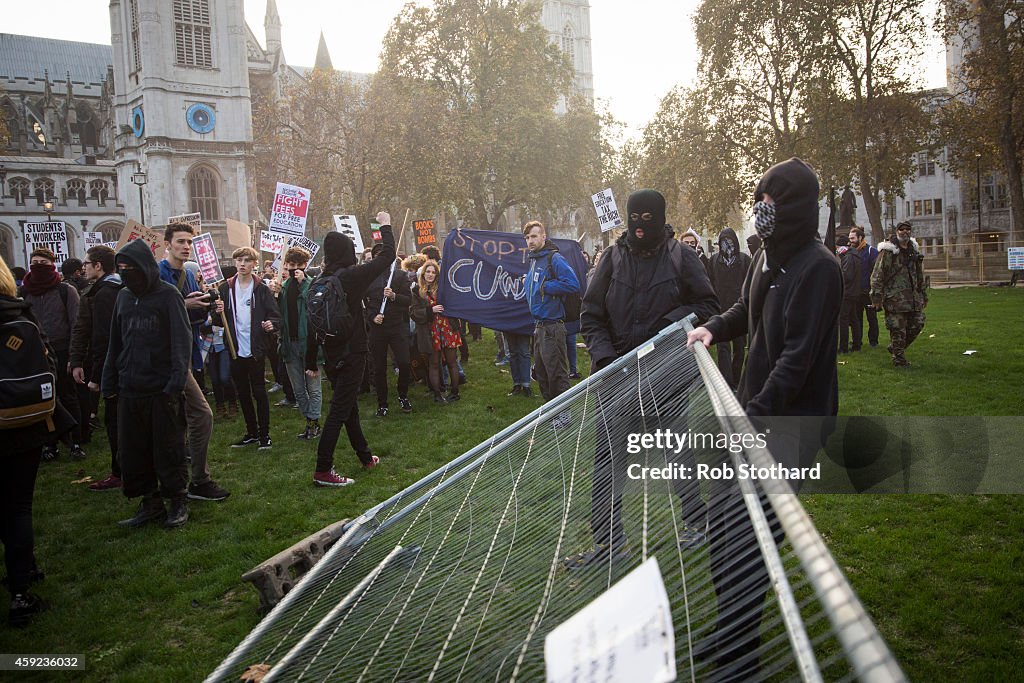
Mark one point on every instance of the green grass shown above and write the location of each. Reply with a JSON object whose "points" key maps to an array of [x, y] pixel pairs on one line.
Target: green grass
{"points": [[941, 575]]}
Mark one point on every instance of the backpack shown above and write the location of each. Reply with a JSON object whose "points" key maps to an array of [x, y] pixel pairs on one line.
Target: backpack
{"points": [[327, 307], [573, 303], [28, 377]]}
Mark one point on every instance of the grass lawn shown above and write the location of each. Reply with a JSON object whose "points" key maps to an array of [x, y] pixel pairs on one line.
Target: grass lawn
{"points": [[943, 576]]}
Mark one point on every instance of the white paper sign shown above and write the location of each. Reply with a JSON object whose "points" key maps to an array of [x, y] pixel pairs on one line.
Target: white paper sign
{"points": [[92, 239], [291, 206], [1015, 258], [626, 635], [271, 242], [52, 235], [193, 220], [309, 245], [348, 225], [607, 212]]}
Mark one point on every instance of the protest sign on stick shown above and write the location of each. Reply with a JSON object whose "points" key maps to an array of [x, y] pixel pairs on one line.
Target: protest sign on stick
{"points": [[347, 224], [271, 242], [239, 234], [206, 257], [92, 239], [133, 230], [52, 235], [426, 233], [304, 242], [291, 206], [607, 212], [193, 220]]}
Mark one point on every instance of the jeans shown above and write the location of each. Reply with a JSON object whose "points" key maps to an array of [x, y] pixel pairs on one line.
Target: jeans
{"points": [[570, 352], [519, 358], [308, 393], [219, 365], [248, 376]]}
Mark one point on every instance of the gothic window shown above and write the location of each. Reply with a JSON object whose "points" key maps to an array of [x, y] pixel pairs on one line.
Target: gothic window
{"points": [[192, 28], [19, 190], [44, 190], [7, 244], [204, 193], [111, 231], [98, 191], [133, 19], [569, 44], [76, 190]]}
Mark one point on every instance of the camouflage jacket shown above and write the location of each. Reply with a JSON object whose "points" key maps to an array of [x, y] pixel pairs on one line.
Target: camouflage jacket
{"points": [[897, 282]]}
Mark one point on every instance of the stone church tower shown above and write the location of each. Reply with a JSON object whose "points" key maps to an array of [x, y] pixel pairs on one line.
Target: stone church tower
{"points": [[568, 26], [182, 109]]}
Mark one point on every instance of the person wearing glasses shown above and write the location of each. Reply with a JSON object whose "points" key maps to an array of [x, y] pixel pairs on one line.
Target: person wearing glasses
{"points": [[898, 288]]}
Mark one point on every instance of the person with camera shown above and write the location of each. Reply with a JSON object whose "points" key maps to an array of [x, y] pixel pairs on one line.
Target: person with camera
{"points": [[898, 288]]}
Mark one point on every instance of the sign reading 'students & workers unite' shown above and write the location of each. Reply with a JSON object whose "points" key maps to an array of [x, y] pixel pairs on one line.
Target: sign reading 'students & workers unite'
{"points": [[52, 235], [291, 206]]}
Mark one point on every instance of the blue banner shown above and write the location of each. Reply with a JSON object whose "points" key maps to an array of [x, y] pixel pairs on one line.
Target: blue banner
{"points": [[483, 278]]}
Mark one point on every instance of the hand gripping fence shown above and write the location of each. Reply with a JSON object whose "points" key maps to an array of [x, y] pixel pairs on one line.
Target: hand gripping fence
{"points": [[462, 575]]}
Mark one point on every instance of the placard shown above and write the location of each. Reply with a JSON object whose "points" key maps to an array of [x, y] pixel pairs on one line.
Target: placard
{"points": [[193, 220], [239, 234], [133, 230], [52, 235], [291, 206], [1015, 258], [304, 242], [347, 224], [426, 233], [375, 231], [271, 242], [206, 257], [92, 239], [607, 211]]}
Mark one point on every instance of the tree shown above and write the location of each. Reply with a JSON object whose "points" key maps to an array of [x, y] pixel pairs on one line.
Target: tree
{"points": [[490, 66]]}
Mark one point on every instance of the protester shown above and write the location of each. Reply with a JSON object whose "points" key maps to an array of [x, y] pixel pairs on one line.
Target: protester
{"points": [[434, 332], [691, 239], [294, 296], [55, 305], [22, 448], [345, 358], [643, 283], [727, 270], [849, 264], [74, 274], [549, 279], [19, 275], [387, 303], [146, 369], [89, 342], [790, 308], [898, 288], [198, 416], [867, 255], [252, 316]]}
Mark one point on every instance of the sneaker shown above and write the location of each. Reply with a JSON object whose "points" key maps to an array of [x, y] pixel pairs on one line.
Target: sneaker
{"points": [[24, 606], [207, 491], [314, 430], [527, 392], [305, 433], [246, 440], [265, 444], [438, 398], [381, 412], [374, 461], [275, 387], [178, 514], [50, 453], [575, 375], [286, 403], [597, 556], [331, 478], [77, 453], [691, 537], [150, 510], [452, 398], [516, 390], [503, 361], [405, 405], [109, 484]]}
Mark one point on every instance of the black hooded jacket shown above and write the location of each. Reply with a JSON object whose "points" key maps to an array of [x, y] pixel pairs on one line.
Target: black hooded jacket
{"points": [[396, 313], [92, 330], [727, 279], [633, 296], [150, 336], [790, 311]]}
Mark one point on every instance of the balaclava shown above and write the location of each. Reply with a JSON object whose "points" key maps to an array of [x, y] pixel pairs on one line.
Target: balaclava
{"points": [[641, 202], [791, 221], [135, 279], [339, 250], [728, 246]]}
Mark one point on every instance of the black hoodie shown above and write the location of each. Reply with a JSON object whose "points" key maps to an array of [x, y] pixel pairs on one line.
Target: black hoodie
{"points": [[150, 342], [727, 278]]}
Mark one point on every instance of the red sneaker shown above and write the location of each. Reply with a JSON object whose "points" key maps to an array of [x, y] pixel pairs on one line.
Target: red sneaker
{"points": [[331, 478], [109, 484], [374, 460]]}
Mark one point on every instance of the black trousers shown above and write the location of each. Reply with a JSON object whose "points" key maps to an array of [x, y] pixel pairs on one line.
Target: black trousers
{"points": [[858, 321], [849, 310], [247, 374], [151, 439], [730, 359], [16, 487], [344, 411], [110, 424], [67, 392], [397, 338]]}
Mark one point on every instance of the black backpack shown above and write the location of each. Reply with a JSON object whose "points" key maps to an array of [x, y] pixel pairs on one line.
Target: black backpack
{"points": [[28, 380], [573, 303], [327, 306]]}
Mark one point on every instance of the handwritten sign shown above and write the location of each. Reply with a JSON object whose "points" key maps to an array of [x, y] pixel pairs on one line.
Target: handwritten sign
{"points": [[347, 224], [52, 235], [484, 275], [133, 230], [291, 206], [206, 257], [625, 635], [92, 239], [304, 242], [607, 211], [271, 242], [193, 220], [426, 233]]}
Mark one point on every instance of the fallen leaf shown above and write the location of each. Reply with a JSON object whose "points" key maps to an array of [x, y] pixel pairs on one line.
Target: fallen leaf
{"points": [[931, 336], [83, 480], [969, 352], [255, 673]]}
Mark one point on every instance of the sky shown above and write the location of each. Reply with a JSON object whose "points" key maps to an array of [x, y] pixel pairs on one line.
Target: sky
{"points": [[640, 48]]}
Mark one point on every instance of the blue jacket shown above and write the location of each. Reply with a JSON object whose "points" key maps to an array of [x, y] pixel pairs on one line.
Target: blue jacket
{"points": [[545, 293], [196, 318], [867, 255]]}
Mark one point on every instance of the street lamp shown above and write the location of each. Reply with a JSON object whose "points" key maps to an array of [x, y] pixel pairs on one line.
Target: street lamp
{"points": [[48, 208], [977, 239], [139, 178]]}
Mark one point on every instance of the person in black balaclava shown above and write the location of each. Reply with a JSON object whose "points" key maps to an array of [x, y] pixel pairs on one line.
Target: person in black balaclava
{"points": [[147, 364], [644, 282], [728, 270], [789, 305]]}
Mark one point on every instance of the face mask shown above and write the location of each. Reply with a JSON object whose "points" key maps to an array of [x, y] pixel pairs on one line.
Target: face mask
{"points": [[42, 270], [764, 219], [728, 252], [645, 209], [135, 281]]}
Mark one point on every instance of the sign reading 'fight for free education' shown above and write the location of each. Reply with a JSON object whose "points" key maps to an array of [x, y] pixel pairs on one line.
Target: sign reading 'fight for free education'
{"points": [[291, 206]]}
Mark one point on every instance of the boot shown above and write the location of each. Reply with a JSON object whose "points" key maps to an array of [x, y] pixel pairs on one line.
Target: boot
{"points": [[150, 510], [178, 514]]}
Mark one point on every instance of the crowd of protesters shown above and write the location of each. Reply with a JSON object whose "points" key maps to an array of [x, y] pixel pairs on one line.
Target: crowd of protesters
{"points": [[136, 339]]}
